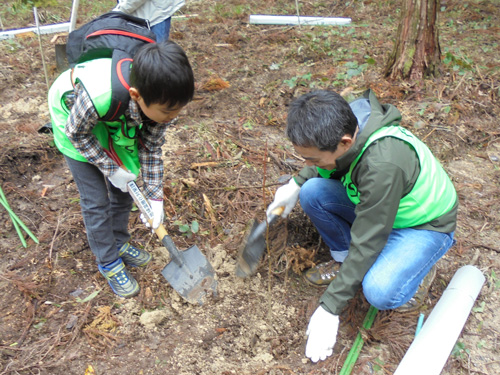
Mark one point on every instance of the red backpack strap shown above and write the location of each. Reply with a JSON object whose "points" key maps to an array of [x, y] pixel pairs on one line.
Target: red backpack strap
{"points": [[120, 85]]}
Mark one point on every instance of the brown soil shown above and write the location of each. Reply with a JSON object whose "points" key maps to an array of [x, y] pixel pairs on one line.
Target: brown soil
{"points": [[58, 315]]}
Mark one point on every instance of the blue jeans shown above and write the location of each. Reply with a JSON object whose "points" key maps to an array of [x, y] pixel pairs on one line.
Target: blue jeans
{"points": [[406, 258], [105, 210], [162, 30]]}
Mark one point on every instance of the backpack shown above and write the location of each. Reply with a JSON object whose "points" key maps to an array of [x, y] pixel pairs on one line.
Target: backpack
{"points": [[116, 35]]}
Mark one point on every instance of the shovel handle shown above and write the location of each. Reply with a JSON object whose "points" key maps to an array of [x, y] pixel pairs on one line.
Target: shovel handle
{"points": [[278, 210], [143, 205], [140, 200], [275, 214]]}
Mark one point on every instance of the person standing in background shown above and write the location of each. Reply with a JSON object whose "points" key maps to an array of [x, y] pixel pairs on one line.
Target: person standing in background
{"points": [[158, 12]]}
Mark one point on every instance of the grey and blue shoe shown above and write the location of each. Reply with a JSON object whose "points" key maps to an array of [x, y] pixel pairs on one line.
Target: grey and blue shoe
{"points": [[133, 256], [119, 278]]}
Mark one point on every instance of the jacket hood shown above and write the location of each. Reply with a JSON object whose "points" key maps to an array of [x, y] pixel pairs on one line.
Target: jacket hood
{"points": [[380, 115]]}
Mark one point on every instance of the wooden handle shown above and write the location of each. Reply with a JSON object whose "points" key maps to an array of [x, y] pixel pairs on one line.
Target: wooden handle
{"points": [[278, 210], [160, 231]]}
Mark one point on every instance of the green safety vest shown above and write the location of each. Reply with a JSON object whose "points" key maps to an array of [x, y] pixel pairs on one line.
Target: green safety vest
{"points": [[433, 194], [95, 75]]}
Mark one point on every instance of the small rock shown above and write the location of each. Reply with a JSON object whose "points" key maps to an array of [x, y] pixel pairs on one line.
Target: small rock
{"points": [[76, 293], [72, 321]]}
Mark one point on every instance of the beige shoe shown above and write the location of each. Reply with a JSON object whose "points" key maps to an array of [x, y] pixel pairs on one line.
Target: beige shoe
{"points": [[418, 299], [322, 274]]}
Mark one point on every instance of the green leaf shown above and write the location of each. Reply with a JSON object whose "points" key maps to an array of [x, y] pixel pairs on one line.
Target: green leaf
{"points": [[307, 76], [458, 349], [89, 297], [184, 228], [480, 308], [292, 82], [195, 227]]}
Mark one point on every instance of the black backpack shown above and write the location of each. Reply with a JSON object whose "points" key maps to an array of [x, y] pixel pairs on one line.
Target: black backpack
{"points": [[116, 35]]}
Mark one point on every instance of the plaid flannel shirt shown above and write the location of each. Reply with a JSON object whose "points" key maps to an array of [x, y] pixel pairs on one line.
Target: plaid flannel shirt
{"points": [[82, 119]]}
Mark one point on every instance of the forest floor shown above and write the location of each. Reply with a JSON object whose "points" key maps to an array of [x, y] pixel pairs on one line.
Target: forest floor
{"points": [[224, 158]]}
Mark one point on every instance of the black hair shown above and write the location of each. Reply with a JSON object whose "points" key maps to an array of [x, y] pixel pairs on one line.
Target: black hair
{"points": [[320, 119], [161, 73]]}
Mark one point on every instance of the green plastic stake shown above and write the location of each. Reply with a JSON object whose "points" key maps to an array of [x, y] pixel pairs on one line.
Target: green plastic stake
{"points": [[19, 233], [353, 355], [16, 225], [16, 220]]}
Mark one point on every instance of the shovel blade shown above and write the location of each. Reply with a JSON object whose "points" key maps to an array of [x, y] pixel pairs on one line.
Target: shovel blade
{"points": [[192, 277], [249, 257], [254, 245]]}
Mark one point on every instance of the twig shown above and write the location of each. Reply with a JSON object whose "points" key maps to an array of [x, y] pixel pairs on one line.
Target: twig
{"points": [[269, 260], [456, 88], [338, 359], [41, 48], [51, 347], [298, 13], [53, 239], [232, 188], [432, 131], [227, 163], [30, 323], [210, 209], [485, 246]]}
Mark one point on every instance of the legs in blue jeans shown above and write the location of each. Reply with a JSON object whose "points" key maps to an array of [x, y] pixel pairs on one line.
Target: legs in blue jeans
{"points": [[105, 210], [331, 211], [405, 260], [162, 30]]}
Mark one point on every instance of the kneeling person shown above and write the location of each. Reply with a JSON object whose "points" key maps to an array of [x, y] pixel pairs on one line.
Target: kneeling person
{"points": [[379, 199]]}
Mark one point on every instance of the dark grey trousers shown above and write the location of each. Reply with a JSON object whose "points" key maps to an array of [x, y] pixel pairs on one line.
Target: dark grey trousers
{"points": [[105, 210]]}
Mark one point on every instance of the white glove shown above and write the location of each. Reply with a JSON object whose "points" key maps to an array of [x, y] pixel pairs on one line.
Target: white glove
{"points": [[120, 178], [322, 334], [158, 213], [286, 196]]}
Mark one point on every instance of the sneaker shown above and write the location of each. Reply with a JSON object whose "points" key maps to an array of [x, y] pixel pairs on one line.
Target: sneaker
{"points": [[323, 273], [119, 278], [418, 299], [133, 256]]}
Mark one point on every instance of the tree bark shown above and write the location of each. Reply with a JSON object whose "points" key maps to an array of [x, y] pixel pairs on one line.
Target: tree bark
{"points": [[416, 53]]}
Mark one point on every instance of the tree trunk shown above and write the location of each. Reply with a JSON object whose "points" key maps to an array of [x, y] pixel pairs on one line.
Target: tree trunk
{"points": [[416, 52]]}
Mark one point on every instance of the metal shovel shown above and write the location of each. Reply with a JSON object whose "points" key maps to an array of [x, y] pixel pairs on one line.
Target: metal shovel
{"points": [[254, 245], [189, 271]]}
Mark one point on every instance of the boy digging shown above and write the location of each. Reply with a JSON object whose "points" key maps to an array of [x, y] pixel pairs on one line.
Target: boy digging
{"points": [[161, 84]]}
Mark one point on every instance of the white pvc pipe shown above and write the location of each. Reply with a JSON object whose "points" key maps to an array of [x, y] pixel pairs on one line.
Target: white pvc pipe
{"points": [[431, 348], [296, 20], [74, 15], [46, 29]]}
